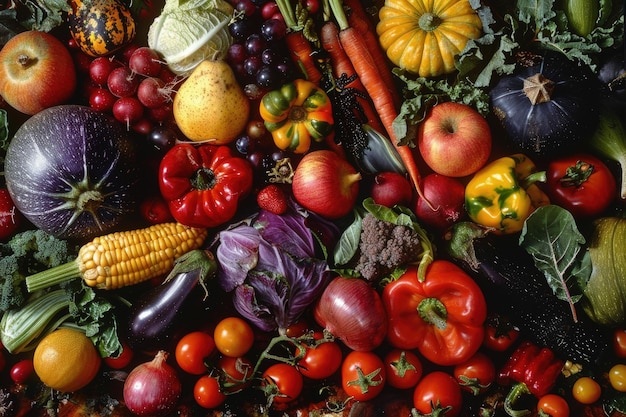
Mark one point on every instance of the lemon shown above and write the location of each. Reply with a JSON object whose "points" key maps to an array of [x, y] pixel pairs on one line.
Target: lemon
{"points": [[66, 360]]}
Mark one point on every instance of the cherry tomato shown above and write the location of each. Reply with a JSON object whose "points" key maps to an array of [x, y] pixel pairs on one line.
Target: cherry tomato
{"points": [[553, 405], [580, 183], [476, 374], [10, 217], [207, 392], [586, 390], [22, 371], [237, 372], [286, 379], [617, 377], [155, 210], [191, 351], [619, 343], [312, 6], [438, 390], [363, 375], [403, 368], [320, 361], [499, 334], [233, 336], [123, 360]]}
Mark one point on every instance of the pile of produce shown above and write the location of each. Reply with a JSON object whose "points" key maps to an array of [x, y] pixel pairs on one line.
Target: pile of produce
{"points": [[312, 208]]}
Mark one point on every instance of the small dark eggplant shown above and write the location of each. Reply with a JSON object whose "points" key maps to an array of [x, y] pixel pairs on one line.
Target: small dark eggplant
{"points": [[157, 315]]}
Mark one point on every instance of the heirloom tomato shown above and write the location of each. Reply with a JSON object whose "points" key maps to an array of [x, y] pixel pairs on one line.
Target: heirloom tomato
{"points": [[204, 184]]}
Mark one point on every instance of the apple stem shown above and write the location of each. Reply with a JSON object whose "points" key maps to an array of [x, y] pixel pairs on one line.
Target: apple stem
{"points": [[25, 60]]}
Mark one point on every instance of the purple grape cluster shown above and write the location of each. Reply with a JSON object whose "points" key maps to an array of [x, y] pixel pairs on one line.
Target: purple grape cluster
{"points": [[259, 54]]}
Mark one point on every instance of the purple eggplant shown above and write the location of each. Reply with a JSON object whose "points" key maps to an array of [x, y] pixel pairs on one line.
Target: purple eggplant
{"points": [[159, 314]]}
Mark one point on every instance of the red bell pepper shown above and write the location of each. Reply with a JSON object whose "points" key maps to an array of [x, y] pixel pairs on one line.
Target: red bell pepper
{"points": [[442, 317], [203, 184]]}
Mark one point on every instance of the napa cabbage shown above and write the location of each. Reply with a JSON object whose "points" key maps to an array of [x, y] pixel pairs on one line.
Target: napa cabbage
{"points": [[190, 31]]}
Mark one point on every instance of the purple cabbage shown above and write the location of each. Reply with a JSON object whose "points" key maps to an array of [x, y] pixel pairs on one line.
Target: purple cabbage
{"points": [[274, 266]]}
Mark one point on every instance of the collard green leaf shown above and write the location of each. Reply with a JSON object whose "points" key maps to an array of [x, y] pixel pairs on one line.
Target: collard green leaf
{"points": [[348, 243], [551, 236]]}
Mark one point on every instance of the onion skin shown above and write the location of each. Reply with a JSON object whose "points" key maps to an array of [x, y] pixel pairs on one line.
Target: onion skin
{"points": [[352, 310], [152, 388], [72, 172]]}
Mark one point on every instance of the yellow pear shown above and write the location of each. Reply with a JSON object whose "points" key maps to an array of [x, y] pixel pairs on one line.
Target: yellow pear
{"points": [[210, 105]]}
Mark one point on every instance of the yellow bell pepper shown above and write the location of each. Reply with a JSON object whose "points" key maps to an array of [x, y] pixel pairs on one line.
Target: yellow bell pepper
{"points": [[503, 194]]}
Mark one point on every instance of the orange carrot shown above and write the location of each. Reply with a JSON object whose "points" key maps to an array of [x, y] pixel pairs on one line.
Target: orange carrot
{"points": [[381, 94], [301, 48], [329, 38], [361, 21], [303, 55]]}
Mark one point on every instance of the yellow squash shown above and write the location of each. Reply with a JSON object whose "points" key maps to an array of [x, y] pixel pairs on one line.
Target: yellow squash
{"points": [[424, 36]]}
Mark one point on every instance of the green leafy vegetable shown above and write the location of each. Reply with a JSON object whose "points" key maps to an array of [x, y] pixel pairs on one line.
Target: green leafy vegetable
{"points": [[551, 236]]}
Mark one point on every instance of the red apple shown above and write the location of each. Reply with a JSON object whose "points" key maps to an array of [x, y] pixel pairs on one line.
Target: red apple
{"points": [[326, 184], [454, 139], [445, 205], [390, 189], [36, 71]]}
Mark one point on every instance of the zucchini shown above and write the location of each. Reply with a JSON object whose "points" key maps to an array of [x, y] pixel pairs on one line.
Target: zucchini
{"points": [[514, 286]]}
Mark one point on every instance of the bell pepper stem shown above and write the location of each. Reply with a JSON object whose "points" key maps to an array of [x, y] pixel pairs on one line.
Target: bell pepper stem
{"points": [[516, 392]]}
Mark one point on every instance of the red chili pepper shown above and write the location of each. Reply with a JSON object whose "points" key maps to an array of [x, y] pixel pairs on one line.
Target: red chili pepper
{"points": [[533, 366], [204, 184]]}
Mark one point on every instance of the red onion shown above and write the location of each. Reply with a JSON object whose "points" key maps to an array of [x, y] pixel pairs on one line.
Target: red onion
{"points": [[446, 195], [152, 388], [351, 309]]}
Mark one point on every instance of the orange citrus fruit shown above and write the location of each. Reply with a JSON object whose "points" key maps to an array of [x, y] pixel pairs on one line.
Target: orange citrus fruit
{"points": [[66, 360]]}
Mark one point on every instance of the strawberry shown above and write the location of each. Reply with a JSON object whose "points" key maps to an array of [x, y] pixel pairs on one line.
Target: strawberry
{"points": [[273, 199]]}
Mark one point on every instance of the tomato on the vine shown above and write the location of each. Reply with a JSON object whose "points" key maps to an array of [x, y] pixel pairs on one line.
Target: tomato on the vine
{"points": [[192, 350], [586, 390], [476, 374], [403, 368], [617, 377], [553, 405], [363, 375], [320, 360], [580, 183], [237, 372], [233, 336], [284, 382], [438, 390], [619, 343], [207, 392]]}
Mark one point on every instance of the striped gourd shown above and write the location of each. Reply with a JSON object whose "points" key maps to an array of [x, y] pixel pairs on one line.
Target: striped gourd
{"points": [[125, 258], [101, 27]]}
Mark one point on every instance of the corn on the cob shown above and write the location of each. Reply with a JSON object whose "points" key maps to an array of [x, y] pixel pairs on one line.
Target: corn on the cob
{"points": [[124, 258]]}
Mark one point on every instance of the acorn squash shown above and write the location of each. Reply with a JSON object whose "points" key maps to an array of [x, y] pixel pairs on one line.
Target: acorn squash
{"points": [[101, 27], [547, 107], [423, 37]]}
